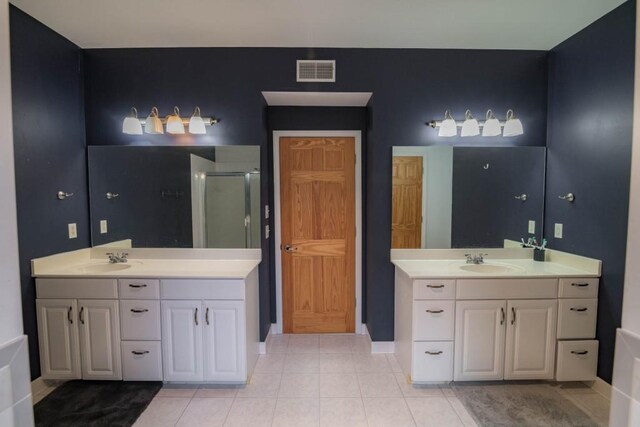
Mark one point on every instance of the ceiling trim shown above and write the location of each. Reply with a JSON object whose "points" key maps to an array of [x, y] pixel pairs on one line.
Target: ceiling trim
{"points": [[317, 99]]}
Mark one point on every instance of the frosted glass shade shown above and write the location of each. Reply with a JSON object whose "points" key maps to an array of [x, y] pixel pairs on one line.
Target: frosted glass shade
{"points": [[470, 126], [491, 125], [132, 126], [448, 127], [153, 125], [196, 124], [513, 125], [174, 123]]}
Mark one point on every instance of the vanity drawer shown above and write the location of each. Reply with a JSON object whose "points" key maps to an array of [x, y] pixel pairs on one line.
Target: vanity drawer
{"points": [[77, 288], [577, 318], [477, 289], [197, 289], [433, 320], [432, 361], [139, 288], [578, 288], [577, 360], [141, 361], [434, 289], [140, 319]]}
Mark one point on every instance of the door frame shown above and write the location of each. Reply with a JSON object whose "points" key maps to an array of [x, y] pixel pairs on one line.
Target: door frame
{"points": [[357, 135]]}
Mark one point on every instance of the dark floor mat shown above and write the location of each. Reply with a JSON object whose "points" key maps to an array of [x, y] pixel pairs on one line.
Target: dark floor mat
{"points": [[95, 403]]}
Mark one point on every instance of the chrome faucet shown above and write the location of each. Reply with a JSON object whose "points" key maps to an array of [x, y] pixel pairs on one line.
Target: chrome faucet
{"points": [[475, 259], [118, 257]]}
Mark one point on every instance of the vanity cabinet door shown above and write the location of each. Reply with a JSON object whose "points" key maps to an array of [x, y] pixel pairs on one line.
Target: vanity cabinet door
{"points": [[479, 340], [182, 340], [99, 326], [531, 339], [58, 339], [224, 341]]}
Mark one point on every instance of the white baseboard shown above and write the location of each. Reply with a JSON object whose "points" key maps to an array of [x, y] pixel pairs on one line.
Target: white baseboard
{"points": [[41, 388], [262, 348], [601, 387], [379, 346]]}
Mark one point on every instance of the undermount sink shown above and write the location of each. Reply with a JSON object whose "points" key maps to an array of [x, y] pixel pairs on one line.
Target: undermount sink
{"points": [[104, 268], [491, 268]]}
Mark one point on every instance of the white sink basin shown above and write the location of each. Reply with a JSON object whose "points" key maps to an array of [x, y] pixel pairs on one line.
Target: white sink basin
{"points": [[491, 268], [103, 268]]}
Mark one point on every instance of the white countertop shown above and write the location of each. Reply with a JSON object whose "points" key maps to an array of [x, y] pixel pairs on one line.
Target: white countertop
{"points": [[522, 268]]}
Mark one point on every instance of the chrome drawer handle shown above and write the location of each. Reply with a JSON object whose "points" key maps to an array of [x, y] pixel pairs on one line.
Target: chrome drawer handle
{"points": [[580, 353], [578, 309], [433, 353], [140, 353], [434, 311], [139, 310], [435, 286], [580, 285], [137, 285]]}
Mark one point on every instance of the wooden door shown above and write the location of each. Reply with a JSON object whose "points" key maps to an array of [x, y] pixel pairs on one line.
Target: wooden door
{"points": [[317, 182], [100, 339], [58, 339], [479, 340], [406, 206], [224, 341], [531, 339], [182, 340]]}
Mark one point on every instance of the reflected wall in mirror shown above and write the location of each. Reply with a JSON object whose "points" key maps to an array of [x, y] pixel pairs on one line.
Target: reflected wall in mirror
{"points": [[465, 197], [176, 197]]}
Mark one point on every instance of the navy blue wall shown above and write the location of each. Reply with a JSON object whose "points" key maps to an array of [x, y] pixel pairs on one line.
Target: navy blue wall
{"points": [[589, 153], [410, 86], [49, 144]]}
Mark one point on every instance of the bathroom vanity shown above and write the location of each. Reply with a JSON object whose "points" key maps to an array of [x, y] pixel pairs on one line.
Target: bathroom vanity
{"points": [[180, 315], [508, 318]]}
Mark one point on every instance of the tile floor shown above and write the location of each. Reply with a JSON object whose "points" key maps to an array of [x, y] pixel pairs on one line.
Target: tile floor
{"points": [[325, 380]]}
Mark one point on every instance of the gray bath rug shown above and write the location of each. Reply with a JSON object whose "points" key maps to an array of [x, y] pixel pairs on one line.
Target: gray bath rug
{"points": [[521, 405]]}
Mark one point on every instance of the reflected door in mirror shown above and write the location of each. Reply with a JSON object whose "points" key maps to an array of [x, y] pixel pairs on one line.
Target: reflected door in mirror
{"points": [[406, 216]]}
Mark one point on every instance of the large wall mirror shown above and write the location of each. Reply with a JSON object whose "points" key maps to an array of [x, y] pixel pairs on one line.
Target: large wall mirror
{"points": [[175, 197], [466, 197]]}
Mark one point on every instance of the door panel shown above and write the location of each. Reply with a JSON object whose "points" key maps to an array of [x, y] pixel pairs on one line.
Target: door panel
{"points": [[58, 338], [100, 339], [318, 223], [531, 339], [406, 206], [182, 340], [224, 341], [479, 340]]}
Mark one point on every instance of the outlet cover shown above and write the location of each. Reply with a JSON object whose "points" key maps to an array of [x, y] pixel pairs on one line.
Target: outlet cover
{"points": [[103, 226], [532, 227], [557, 231], [73, 231]]}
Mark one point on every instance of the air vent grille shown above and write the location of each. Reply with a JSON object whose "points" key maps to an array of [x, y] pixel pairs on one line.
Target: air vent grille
{"points": [[316, 71]]}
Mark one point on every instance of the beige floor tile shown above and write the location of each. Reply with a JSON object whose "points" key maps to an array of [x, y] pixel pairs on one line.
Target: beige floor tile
{"points": [[303, 344], [371, 363], [387, 412], [447, 390], [299, 385], [297, 413], [163, 411], [393, 363], [339, 385], [334, 344], [361, 344], [302, 363], [251, 412], [462, 412], [270, 363], [261, 385], [594, 404], [433, 412], [277, 344], [177, 390], [342, 413], [417, 390], [205, 413], [217, 391], [336, 363], [379, 385]]}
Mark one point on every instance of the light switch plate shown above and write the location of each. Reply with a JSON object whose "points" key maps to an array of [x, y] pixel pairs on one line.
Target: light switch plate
{"points": [[266, 212], [267, 231], [532, 227], [557, 231], [103, 226], [73, 231]]}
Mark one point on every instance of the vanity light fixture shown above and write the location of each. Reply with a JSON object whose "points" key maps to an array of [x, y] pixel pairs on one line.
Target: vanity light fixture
{"points": [[448, 127], [491, 125], [131, 124], [470, 126], [153, 124], [513, 125]]}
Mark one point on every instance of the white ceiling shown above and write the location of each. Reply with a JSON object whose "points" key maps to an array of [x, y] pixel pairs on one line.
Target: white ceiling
{"points": [[472, 24]]}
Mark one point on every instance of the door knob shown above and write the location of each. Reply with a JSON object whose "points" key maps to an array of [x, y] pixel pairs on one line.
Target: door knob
{"points": [[289, 248]]}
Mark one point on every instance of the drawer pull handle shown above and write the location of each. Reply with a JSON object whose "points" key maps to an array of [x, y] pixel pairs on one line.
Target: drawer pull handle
{"points": [[578, 309], [195, 316], [434, 311], [580, 285], [140, 353], [81, 315], [513, 315], [580, 353], [69, 315], [502, 315], [139, 310], [435, 286], [206, 315], [433, 353], [137, 285]]}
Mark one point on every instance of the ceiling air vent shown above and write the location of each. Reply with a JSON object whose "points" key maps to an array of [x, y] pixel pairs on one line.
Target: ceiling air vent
{"points": [[316, 71]]}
